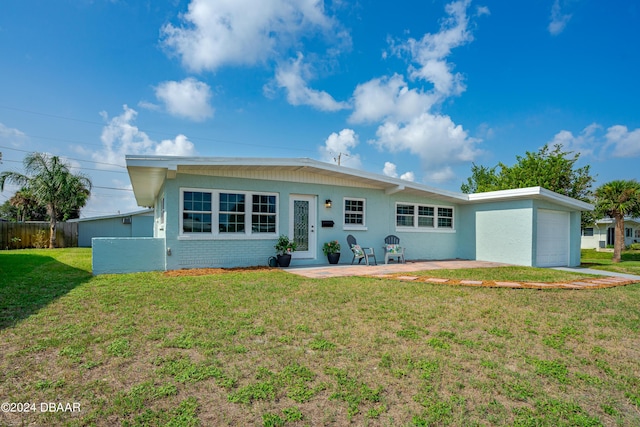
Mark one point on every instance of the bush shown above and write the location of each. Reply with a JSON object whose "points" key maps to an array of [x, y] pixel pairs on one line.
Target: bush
{"points": [[40, 239], [634, 246]]}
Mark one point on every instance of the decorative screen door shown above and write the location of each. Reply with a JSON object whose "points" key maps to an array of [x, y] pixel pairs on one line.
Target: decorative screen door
{"points": [[302, 225]]}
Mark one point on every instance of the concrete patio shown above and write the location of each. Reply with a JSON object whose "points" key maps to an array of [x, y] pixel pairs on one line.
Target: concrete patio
{"points": [[344, 270], [397, 271]]}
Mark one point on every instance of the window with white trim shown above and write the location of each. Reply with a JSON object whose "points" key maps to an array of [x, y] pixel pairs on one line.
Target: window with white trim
{"points": [[588, 232], [445, 217], [263, 219], [196, 212], [229, 213], [628, 232], [354, 212], [423, 217]]}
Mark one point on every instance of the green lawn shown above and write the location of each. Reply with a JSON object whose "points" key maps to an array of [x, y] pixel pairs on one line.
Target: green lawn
{"points": [[602, 261], [270, 348]]}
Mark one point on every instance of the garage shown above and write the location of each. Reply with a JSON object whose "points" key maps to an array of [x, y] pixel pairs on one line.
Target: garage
{"points": [[552, 239]]}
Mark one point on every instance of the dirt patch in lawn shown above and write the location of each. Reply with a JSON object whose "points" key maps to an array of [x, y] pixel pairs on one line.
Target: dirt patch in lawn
{"points": [[212, 271]]}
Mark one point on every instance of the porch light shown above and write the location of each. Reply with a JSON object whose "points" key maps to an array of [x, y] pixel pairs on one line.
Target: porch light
{"points": [[327, 203]]}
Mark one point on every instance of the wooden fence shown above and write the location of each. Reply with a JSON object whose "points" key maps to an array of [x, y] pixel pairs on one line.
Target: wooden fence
{"points": [[21, 235]]}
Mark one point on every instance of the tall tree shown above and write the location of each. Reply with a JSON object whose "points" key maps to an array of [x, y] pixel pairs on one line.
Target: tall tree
{"points": [[617, 199], [553, 169], [52, 184]]}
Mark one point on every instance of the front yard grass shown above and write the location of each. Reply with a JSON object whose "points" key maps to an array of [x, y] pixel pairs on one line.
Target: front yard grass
{"points": [[273, 349], [602, 261]]}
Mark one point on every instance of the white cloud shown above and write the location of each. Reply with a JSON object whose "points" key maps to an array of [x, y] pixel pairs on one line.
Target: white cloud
{"points": [[625, 143], [618, 141], [188, 98], [558, 20], [242, 32], [388, 97], [408, 122], [429, 53], [293, 76], [408, 176], [482, 10], [390, 169], [180, 146], [444, 174], [12, 136], [435, 139], [120, 137], [338, 146], [585, 143]]}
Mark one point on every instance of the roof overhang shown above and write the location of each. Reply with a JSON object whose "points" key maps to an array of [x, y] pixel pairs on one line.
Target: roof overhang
{"points": [[537, 193], [148, 174]]}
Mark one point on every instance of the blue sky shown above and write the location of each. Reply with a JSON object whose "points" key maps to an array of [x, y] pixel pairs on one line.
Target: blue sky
{"points": [[413, 89]]}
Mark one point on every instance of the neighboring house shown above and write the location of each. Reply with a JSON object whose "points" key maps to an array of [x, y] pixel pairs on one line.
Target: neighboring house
{"points": [[133, 224], [602, 233], [229, 212]]}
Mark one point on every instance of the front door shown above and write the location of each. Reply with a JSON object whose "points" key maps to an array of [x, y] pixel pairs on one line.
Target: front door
{"points": [[302, 225]]}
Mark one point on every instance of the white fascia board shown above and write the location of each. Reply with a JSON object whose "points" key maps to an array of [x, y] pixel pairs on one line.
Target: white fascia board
{"points": [[122, 215], [531, 192], [627, 220], [389, 184]]}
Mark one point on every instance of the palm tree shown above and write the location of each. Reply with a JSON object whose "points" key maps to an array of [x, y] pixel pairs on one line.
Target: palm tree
{"points": [[27, 207], [617, 199], [52, 184]]}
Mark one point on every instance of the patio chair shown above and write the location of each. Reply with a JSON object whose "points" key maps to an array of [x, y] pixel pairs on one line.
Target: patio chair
{"points": [[392, 249], [359, 252]]}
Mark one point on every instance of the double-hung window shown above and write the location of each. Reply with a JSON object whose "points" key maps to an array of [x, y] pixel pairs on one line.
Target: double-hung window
{"points": [[423, 217], [196, 212], [445, 217], [229, 213], [263, 219], [354, 213]]}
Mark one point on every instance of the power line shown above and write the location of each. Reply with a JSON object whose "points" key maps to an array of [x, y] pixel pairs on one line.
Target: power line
{"points": [[150, 131], [70, 158], [112, 188]]}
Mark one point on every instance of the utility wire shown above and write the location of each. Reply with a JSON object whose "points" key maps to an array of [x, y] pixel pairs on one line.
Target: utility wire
{"points": [[70, 158], [148, 131]]}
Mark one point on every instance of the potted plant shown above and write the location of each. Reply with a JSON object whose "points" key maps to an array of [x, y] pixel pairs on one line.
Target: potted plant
{"points": [[284, 248], [332, 251]]}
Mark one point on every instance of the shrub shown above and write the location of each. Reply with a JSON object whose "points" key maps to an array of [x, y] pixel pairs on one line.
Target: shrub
{"points": [[40, 239]]}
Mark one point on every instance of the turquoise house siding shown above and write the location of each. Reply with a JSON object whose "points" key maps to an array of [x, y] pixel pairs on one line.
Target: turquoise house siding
{"points": [[200, 252], [113, 226], [506, 232], [127, 255], [503, 232]]}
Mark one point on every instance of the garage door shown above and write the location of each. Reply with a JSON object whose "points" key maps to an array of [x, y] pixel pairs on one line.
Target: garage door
{"points": [[552, 240]]}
